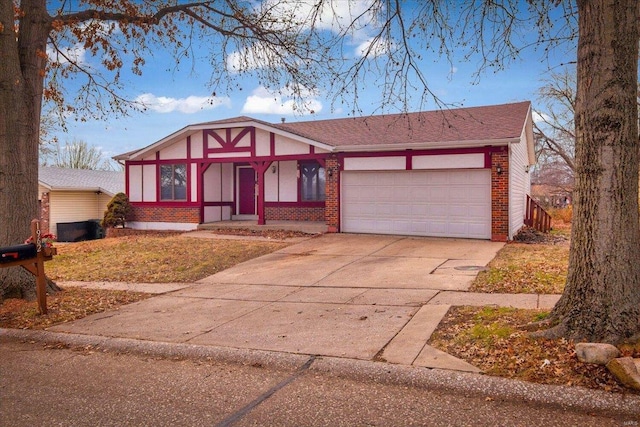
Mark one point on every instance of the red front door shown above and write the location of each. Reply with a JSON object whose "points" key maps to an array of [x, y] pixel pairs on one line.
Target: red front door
{"points": [[247, 191]]}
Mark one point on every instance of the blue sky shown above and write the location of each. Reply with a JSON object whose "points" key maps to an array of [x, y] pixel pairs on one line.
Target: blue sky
{"points": [[179, 97]]}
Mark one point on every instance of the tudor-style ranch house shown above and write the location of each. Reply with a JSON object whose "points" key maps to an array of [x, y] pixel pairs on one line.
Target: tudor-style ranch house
{"points": [[452, 173]]}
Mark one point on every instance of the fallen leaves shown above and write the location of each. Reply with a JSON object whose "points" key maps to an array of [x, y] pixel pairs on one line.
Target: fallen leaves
{"points": [[65, 306], [496, 340]]}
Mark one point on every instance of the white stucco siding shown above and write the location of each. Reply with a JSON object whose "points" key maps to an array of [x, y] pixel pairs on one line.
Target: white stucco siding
{"points": [[196, 145], [227, 182], [212, 142], [519, 185], [245, 141], [194, 182], [375, 163], [271, 182], [288, 181], [263, 143], [175, 151], [149, 183], [135, 183], [449, 161], [73, 206], [212, 183], [287, 146]]}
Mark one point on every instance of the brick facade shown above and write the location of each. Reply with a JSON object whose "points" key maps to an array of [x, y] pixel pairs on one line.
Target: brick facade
{"points": [[500, 196], [187, 214], [45, 213], [289, 213], [332, 191]]}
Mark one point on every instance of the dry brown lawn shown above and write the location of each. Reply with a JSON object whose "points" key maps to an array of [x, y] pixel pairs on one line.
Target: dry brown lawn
{"points": [[147, 258], [161, 258]]}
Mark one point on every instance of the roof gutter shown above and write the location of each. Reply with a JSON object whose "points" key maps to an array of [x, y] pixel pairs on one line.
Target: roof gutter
{"points": [[428, 145]]}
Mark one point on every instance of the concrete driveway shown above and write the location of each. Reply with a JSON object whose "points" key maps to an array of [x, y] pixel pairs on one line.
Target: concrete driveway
{"points": [[345, 295]]}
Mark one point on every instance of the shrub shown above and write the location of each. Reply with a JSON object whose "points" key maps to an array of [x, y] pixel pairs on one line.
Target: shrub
{"points": [[561, 215], [117, 210]]}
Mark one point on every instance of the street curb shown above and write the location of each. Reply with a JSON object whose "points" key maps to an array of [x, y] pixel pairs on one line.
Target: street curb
{"points": [[467, 384]]}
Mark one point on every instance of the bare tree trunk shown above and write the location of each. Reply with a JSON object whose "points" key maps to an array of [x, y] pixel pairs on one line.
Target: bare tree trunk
{"points": [[21, 82], [601, 301]]}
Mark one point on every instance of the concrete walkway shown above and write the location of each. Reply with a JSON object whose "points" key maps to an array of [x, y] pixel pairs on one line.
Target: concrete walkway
{"points": [[349, 296]]}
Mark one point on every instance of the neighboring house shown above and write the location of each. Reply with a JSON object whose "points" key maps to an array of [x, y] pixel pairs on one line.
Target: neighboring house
{"points": [[72, 195], [452, 173]]}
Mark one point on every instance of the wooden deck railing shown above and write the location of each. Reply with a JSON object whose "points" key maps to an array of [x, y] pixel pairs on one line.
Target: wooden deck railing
{"points": [[537, 217]]}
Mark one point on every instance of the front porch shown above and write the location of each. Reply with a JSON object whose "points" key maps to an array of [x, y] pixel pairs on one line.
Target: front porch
{"points": [[310, 227]]}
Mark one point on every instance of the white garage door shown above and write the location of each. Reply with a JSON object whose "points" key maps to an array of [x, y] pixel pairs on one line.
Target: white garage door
{"points": [[445, 203]]}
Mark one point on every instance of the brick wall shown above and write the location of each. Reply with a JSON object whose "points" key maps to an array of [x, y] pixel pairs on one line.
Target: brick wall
{"points": [[45, 213], [165, 214], [500, 196], [289, 213], [332, 191]]}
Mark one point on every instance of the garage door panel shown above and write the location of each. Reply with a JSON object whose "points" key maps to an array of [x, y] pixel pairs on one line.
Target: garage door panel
{"points": [[443, 203]]}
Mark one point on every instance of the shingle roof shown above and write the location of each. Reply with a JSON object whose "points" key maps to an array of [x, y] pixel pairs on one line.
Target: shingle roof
{"points": [[109, 182], [495, 122], [470, 126]]}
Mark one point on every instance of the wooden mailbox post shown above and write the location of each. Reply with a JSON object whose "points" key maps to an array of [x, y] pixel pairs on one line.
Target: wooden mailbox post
{"points": [[35, 265]]}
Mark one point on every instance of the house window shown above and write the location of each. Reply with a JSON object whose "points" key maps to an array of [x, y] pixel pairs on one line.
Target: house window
{"points": [[173, 182], [312, 182]]}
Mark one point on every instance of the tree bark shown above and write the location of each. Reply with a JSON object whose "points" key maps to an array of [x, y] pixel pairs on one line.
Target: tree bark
{"points": [[601, 300], [21, 86]]}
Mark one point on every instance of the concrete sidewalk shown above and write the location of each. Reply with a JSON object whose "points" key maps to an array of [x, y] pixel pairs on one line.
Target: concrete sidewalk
{"points": [[349, 296]]}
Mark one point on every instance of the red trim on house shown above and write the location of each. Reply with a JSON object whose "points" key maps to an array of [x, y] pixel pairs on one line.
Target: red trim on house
{"points": [[227, 142], [158, 189], [260, 167], [409, 162], [428, 152], [188, 166], [127, 182]]}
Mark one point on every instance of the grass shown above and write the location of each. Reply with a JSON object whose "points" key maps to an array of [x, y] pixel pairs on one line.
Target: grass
{"points": [[161, 258], [525, 268]]}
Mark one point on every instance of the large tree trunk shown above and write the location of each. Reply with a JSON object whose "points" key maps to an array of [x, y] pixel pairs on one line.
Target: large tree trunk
{"points": [[21, 83], [601, 301]]}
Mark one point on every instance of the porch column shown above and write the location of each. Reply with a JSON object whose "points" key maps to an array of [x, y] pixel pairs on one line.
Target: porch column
{"points": [[500, 195], [332, 194], [260, 168]]}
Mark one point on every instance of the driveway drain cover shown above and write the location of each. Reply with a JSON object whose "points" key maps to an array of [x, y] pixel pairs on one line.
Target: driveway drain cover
{"points": [[469, 268]]}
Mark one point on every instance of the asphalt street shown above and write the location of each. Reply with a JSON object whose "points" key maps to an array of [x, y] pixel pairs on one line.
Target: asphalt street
{"points": [[58, 385]]}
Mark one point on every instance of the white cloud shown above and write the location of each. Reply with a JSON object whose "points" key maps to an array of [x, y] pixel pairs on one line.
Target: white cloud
{"points": [[333, 15], [64, 55], [350, 17], [188, 105], [374, 48], [263, 101], [256, 56], [539, 117]]}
